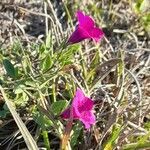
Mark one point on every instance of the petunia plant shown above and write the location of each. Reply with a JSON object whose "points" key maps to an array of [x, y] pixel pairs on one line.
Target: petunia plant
{"points": [[44, 82], [82, 106]]}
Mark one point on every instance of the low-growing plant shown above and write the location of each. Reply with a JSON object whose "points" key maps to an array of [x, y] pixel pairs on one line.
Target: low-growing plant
{"points": [[78, 97]]}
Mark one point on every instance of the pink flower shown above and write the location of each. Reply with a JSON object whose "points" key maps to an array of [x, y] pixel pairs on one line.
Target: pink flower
{"points": [[85, 30], [81, 109]]}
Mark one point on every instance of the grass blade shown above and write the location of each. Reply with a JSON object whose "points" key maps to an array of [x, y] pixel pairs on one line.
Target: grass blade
{"points": [[31, 144]]}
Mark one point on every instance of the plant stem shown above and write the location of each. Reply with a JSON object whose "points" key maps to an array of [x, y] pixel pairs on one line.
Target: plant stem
{"points": [[136, 146], [46, 139]]}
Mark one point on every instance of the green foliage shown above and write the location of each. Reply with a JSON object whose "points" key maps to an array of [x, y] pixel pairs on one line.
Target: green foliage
{"points": [[21, 99], [136, 146], [43, 122], [113, 137], [142, 8], [48, 42], [67, 56], [147, 126], [10, 69], [77, 131], [46, 63], [144, 139], [141, 141], [137, 5], [4, 111], [146, 20], [58, 106]]}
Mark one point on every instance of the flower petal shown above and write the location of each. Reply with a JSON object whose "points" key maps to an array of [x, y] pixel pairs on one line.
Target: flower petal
{"points": [[81, 102], [86, 105], [88, 118], [77, 101], [79, 97], [85, 21], [96, 34], [66, 113], [80, 17], [78, 35]]}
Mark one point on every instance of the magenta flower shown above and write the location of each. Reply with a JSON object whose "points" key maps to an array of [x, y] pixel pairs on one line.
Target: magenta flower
{"points": [[81, 109], [85, 30]]}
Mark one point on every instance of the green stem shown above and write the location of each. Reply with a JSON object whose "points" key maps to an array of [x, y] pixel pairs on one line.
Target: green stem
{"points": [[46, 139], [136, 146], [69, 16], [83, 63], [54, 91]]}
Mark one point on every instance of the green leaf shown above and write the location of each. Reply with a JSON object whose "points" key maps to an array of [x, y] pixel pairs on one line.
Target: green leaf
{"points": [[48, 42], [42, 49], [16, 71], [1, 57], [108, 147], [146, 22], [31, 83], [19, 89], [120, 66], [58, 107], [141, 6], [137, 6], [46, 63], [113, 137], [10, 69], [41, 120], [136, 146], [67, 56], [145, 6], [4, 111], [144, 139], [21, 99], [76, 133]]}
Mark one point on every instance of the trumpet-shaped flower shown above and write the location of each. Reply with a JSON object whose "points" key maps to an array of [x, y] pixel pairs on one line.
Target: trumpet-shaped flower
{"points": [[85, 30], [81, 109]]}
